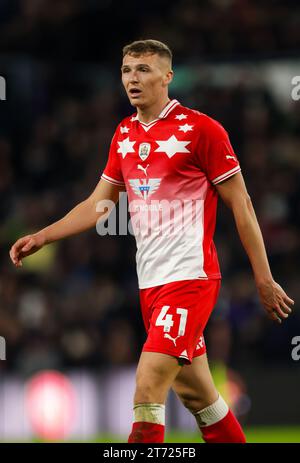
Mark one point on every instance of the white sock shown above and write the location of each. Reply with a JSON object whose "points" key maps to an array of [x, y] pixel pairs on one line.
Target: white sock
{"points": [[213, 413], [150, 413]]}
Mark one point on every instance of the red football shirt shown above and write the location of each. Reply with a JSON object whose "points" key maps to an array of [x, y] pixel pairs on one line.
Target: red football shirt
{"points": [[169, 168]]}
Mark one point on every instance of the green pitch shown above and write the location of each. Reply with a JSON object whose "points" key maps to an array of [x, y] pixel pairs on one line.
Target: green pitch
{"points": [[254, 435], [263, 434]]}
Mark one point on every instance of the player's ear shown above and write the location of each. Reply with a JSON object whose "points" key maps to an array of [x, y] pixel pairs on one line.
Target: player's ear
{"points": [[168, 78]]}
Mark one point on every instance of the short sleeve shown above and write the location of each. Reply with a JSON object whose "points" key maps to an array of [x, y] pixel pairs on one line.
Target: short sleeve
{"points": [[112, 172], [216, 155]]}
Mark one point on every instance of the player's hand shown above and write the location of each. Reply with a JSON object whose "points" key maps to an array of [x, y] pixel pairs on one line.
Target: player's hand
{"points": [[26, 246], [275, 301]]}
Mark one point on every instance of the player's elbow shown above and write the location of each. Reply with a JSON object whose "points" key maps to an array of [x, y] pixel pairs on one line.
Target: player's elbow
{"points": [[238, 201], [248, 200], [241, 203]]}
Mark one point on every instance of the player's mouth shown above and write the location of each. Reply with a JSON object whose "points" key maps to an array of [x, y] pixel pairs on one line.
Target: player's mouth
{"points": [[135, 92]]}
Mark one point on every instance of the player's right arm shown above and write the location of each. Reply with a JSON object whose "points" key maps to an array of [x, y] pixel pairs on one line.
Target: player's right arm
{"points": [[82, 217]]}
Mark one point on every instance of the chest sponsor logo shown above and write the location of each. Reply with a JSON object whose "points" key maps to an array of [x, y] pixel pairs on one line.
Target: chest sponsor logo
{"points": [[144, 150], [144, 187]]}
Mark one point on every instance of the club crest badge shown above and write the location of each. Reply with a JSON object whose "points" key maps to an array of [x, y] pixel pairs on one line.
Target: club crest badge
{"points": [[144, 150]]}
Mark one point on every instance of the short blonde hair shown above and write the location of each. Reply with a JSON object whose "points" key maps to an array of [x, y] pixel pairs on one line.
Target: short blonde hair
{"points": [[141, 47]]}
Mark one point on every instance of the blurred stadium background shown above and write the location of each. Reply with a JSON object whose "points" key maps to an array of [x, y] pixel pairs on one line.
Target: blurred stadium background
{"points": [[73, 308]]}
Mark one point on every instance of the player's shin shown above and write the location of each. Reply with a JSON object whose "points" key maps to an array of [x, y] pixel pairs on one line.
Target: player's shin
{"points": [[149, 423], [218, 424]]}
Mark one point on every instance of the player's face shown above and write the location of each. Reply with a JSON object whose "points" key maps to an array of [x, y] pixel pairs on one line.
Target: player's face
{"points": [[145, 78]]}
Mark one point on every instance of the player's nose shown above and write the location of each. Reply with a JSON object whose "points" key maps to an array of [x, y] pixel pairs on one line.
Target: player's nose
{"points": [[133, 79]]}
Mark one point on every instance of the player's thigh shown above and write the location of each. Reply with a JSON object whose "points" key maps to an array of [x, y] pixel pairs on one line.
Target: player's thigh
{"points": [[154, 377], [155, 368], [194, 384]]}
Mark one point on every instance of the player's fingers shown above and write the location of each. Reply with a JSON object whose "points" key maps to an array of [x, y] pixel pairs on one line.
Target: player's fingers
{"points": [[285, 307], [16, 249], [13, 255], [278, 310], [18, 245], [16, 261], [27, 246], [275, 313], [282, 294], [274, 316], [288, 300]]}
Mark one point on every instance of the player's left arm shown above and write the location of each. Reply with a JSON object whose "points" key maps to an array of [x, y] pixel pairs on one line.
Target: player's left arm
{"points": [[273, 298]]}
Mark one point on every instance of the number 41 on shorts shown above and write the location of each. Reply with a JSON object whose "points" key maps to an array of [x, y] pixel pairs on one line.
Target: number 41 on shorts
{"points": [[166, 320]]}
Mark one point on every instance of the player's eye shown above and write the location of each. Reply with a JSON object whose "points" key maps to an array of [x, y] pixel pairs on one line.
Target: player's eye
{"points": [[143, 69]]}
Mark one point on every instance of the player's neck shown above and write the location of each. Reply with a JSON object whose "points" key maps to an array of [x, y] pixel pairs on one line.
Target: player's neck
{"points": [[151, 113]]}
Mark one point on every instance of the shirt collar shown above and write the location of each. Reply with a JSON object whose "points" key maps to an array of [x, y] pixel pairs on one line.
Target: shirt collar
{"points": [[165, 112]]}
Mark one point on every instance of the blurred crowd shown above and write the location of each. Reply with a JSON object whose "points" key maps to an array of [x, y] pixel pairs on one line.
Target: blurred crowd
{"points": [[206, 28], [75, 303]]}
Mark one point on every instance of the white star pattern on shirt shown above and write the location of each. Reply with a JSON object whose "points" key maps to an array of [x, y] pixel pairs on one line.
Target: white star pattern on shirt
{"points": [[185, 128], [125, 147], [181, 116], [172, 146], [124, 129]]}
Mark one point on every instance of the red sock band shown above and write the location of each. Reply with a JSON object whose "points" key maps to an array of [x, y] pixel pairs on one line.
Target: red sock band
{"points": [[227, 430], [146, 432]]}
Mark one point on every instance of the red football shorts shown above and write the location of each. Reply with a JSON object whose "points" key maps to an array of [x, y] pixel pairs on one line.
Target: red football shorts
{"points": [[175, 315]]}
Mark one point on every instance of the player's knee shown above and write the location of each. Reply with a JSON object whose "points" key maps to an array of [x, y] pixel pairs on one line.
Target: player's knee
{"points": [[145, 388], [194, 403], [144, 396], [191, 403], [149, 393], [150, 389], [151, 378]]}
